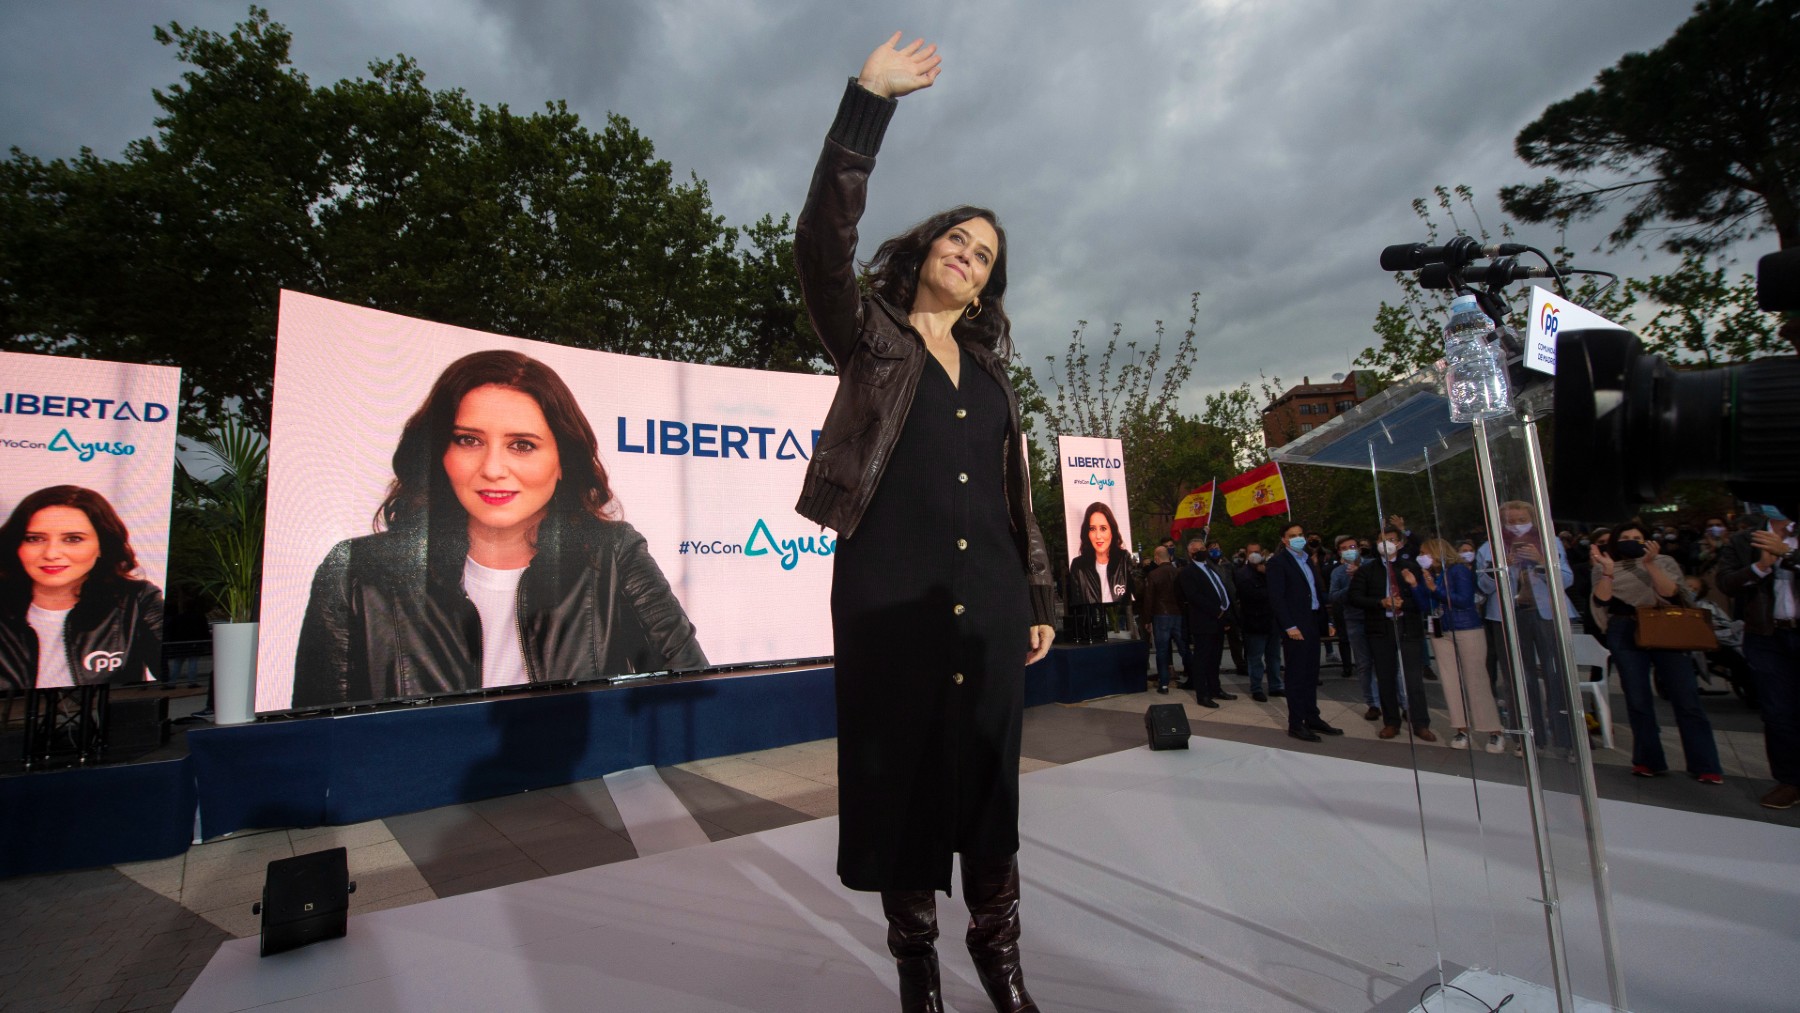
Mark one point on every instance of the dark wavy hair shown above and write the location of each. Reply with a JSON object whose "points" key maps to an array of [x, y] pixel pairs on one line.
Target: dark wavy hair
{"points": [[894, 276], [1087, 546], [117, 562], [420, 494]]}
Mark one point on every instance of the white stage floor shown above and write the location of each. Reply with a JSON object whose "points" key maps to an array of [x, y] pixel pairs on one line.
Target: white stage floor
{"points": [[1227, 877]]}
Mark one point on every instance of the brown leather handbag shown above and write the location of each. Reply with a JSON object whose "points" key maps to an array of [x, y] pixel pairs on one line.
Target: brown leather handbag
{"points": [[1674, 628]]}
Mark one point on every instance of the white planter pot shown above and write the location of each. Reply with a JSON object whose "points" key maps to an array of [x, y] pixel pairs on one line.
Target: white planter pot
{"points": [[234, 673]]}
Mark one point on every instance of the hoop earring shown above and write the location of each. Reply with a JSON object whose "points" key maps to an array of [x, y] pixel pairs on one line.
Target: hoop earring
{"points": [[973, 310]]}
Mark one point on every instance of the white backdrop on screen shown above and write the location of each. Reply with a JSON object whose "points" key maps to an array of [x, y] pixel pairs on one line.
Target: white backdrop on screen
{"points": [[752, 575], [108, 426], [1093, 471]]}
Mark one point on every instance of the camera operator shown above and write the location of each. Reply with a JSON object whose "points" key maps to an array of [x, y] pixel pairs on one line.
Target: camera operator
{"points": [[1756, 567]]}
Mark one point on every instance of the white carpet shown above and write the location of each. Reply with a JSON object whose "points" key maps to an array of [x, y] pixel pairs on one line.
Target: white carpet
{"points": [[1228, 877]]}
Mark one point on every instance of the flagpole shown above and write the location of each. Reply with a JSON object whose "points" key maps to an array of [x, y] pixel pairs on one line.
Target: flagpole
{"points": [[1212, 498]]}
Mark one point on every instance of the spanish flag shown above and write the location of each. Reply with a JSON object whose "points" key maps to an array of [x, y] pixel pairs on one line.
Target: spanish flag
{"points": [[1256, 493], [1194, 511]]}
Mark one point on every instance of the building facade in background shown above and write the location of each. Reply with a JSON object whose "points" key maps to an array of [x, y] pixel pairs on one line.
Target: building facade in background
{"points": [[1301, 409]]}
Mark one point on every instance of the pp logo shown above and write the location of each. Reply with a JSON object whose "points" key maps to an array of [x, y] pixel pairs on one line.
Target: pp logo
{"points": [[104, 661], [1547, 320]]}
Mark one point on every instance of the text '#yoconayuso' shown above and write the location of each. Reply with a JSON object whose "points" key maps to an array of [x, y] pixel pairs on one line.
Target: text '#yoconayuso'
{"points": [[71, 406], [668, 438]]}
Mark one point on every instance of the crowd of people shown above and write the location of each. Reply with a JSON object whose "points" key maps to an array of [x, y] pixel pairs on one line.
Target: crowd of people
{"points": [[1399, 608]]}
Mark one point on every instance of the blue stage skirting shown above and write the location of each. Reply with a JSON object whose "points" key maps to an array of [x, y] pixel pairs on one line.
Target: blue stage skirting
{"points": [[75, 819], [337, 770]]}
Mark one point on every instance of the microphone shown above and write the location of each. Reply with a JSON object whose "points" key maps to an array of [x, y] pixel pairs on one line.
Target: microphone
{"points": [[1778, 281], [1501, 272], [1457, 252]]}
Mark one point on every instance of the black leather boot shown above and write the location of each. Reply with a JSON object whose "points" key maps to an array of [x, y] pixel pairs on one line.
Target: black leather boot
{"points": [[991, 886], [912, 939]]}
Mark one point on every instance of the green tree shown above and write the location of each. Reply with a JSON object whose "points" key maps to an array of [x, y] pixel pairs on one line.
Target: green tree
{"points": [[381, 192], [1129, 393], [1704, 319], [1698, 138]]}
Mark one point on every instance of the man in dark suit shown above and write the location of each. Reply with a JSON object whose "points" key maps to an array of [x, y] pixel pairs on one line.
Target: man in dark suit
{"points": [[1206, 601], [1389, 591], [1297, 605], [1758, 568]]}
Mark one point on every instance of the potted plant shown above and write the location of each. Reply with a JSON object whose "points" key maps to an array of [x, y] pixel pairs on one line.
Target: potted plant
{"points": [[226, 508]]}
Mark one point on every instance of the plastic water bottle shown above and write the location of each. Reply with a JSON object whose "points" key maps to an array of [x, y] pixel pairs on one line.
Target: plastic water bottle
{"points": [[1474, 375]]}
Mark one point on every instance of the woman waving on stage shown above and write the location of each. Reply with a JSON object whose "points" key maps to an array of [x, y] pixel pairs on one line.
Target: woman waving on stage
{"points": [[942, 589]]}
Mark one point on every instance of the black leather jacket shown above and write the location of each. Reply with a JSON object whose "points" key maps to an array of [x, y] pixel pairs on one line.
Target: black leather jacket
{"points": [[112, 635], [388, 618], [1084, 580], [878, 354]]}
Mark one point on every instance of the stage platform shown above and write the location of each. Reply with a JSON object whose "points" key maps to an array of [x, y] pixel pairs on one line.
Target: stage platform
{"points": [[330, 770], [1229, 877]]}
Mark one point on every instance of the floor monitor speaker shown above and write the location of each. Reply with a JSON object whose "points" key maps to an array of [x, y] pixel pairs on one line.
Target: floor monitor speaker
{"points": [[305, 899], [1167, 726]]}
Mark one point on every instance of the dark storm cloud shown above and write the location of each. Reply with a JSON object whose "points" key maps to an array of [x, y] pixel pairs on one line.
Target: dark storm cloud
{"points": [[1261, 153]]}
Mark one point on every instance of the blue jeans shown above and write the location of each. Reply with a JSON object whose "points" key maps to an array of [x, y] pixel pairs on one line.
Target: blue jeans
{"points": [[1167, 629], [1263, 651], [1676, 669]]}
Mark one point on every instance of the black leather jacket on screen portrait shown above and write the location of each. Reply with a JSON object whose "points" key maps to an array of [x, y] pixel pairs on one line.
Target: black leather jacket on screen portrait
{"points": [[878, 354], [388, 618], [112, 635]]}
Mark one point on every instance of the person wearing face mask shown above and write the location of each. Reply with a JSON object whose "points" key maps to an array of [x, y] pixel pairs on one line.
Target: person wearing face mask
{"points": [[1758, 568], [1355, 632], [1394, 595], [1208, 602], [1713, 539], [1635, 573], [1409, 542], [1262, 642], [1297, 597], [1467, 692], [1537, 585], [1234, 634]]}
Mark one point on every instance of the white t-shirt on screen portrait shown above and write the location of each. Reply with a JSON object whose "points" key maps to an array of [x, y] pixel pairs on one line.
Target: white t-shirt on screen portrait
{"points": [[53, 658], [496, 597]]}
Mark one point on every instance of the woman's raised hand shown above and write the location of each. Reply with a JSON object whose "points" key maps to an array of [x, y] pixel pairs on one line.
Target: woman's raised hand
{"points": [[891, 71]]}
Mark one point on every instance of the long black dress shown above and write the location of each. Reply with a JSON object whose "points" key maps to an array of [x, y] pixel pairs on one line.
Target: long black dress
{"points": [[931, 618]]}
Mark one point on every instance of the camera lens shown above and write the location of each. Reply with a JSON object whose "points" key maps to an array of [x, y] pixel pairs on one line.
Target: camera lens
{"points": [[1628, 424]]}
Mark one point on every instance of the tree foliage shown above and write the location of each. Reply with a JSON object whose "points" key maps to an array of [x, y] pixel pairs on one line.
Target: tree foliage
{"points": [[1698, 139], [381, 192], [1132, 394], [1702, 317]]}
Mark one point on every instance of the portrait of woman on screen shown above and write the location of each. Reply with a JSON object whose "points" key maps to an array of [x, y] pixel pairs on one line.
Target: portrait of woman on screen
{"points": [[499, 556], [74, 609]]}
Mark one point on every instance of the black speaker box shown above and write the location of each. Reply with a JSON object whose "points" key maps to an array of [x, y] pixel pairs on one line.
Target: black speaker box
{"points": [[1167, 726], [305, 899]]}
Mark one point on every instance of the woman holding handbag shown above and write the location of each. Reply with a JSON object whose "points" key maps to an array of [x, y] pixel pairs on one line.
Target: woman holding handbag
{"points": [[1629, 575]]}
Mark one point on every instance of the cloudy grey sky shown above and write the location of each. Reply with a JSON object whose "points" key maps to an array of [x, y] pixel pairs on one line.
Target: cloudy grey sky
{"points": [[1261, 152]]}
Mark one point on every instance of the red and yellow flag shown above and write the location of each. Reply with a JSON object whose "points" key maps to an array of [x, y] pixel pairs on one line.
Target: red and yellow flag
{"points": [[1256, 493], [1194, 510]]}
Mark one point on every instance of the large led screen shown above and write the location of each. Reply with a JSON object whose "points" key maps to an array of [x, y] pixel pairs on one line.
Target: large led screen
{"points": [[87, 451], [1097, 518], [451, 511]]}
